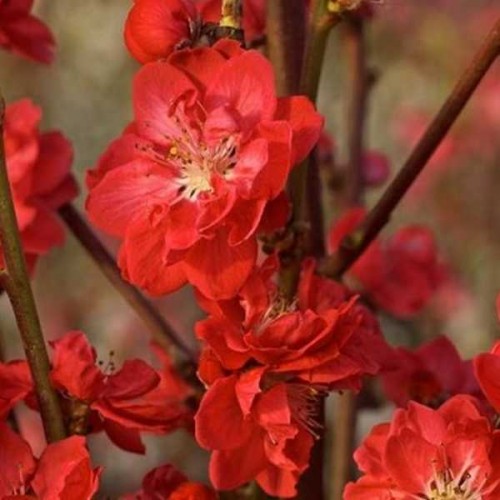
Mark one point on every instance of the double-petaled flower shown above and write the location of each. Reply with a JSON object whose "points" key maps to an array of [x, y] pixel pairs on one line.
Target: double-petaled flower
{"points": [[201, 169], [268, 362], [449, 453]]}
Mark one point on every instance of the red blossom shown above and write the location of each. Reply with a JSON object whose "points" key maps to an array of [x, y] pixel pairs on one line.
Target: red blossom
{"points": [[134, 399], [268, 363], [186, 187], [24, 34], [123, 402], [167, 482], [452, 452], [429, 375], [324, 337], [263, 438], [399, 275], [64, 471], [38, 165]]}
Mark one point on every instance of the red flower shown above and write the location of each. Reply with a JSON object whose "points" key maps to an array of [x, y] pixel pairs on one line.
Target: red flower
{"points": [[154, 28], [419, 375], [268, 364], [24, 34], [64, 471], [167, 482], [188, 183], [38, 166], [123, 403], [487, 369], [452, 452], [323, 338], [399, 275], [264, 434]]}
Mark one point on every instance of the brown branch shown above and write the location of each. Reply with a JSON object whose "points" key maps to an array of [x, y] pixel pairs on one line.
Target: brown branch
{"points": [[285, 30], [358, 77], [354, 244], [344, 415], [17, 286], [161, 331]]}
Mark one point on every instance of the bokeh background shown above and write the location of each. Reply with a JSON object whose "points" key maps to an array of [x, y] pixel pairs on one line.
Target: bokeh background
{"points": [[417, 49]]}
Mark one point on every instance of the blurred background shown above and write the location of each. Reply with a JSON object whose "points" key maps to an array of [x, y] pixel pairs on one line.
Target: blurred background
{"points": [[416, 48]]}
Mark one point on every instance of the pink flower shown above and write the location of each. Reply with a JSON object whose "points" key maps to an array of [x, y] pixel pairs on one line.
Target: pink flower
{"points": [[64, 471], [38, 166], [452, 452], [24, 34], [192, 181]]}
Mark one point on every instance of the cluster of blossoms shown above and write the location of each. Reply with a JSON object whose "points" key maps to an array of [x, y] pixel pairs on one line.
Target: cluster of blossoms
{"points": [[268, 363], [189, 188]]}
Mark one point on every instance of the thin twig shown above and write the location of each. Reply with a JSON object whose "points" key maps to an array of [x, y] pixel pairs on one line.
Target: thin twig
{"points": [[17, 286], [162, 332], [354, 244]]}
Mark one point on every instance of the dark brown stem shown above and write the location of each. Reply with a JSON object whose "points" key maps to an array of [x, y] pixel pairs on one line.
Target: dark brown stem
{"points": [[17, 286], [354, 244], [161, 331], [358, 78], [343, 439], [344, 415], [285, 28]]}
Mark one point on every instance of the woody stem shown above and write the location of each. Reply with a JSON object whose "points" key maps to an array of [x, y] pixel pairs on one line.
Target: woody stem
{"points": [[353, 245], [161, 331], [17, 285]]}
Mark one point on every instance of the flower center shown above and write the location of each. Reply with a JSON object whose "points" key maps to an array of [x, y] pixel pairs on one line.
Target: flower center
{"points": [[198, 162], [304, 402], [279, 306], [445, 486], [196, 155]]}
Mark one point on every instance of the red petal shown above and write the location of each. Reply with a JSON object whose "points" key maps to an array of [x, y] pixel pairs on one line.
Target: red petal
{"points": [[133, 380], [65, 471], [305, 121], [217, 269], [16, 461], [128, 192], [246, 84], [220, 401], [143, 258], [73, 366]]}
